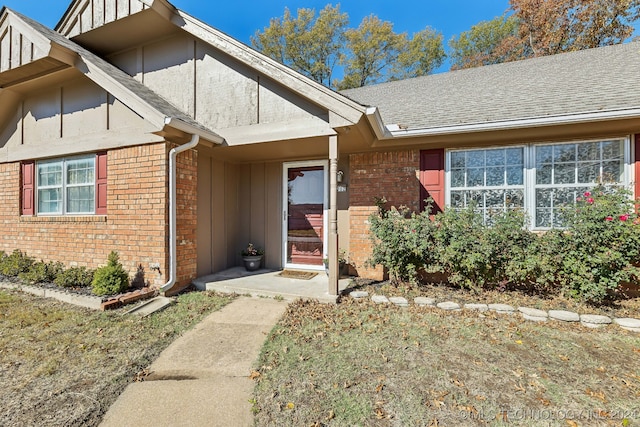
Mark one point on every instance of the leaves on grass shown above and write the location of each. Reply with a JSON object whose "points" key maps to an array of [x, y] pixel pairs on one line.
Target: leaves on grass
{"points": [[254, 375], [596, 394]]}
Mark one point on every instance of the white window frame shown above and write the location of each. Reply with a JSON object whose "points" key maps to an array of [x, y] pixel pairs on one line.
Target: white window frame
{"points": [[530, 171], [64, 205], [448, 168]]}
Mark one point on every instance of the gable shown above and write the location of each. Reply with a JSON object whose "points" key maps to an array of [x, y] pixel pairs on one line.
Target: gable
{"points": [[71, 116], [23, 52], [85, 15]]}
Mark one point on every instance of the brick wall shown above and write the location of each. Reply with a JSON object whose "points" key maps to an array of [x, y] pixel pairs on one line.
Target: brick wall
{"points": [[392, 175], [135, 224], [187, 209]]}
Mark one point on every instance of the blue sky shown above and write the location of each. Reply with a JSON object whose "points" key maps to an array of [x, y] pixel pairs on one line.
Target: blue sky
{"points": [[241, 19]]}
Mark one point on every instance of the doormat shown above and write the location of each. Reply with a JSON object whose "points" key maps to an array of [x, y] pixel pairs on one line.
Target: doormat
{"points": [[293, 274]]}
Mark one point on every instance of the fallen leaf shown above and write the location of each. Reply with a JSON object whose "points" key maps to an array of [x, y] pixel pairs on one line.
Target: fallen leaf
{"points": [[481, 398], [331, 415], [438, 403], [563, 357], [457, 382], [596, 394], [254, 375], [379, 388], [519, 342], [572, 423], [380, 414], [520, 388], [290, 405], [434, 423]]}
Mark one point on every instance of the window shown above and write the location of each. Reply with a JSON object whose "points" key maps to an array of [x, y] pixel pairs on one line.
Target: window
{"points": [[565, 171], [540, 177], [493, 179], [65, 186]]}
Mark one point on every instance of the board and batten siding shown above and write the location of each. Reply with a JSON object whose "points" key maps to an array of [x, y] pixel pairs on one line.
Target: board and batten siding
{"points": [[211, 86], [237, 205]]}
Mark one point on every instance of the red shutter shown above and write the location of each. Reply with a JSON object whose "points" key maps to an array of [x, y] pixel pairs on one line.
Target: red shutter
{"points": [[28, 187], [101, 184], [432, 178], [637, 164]]}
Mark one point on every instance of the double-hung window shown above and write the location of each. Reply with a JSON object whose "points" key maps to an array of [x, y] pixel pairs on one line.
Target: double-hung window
{"points": [[66, 186], [563, 172], [538, 177], [492, 179]]}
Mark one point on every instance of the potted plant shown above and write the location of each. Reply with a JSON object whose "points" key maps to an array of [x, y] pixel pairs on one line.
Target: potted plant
{"points": [[252, 257], [342, 263]]}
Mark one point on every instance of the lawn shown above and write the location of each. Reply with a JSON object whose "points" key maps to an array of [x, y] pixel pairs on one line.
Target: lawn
{"points": [[361, 364], [63, 365]]}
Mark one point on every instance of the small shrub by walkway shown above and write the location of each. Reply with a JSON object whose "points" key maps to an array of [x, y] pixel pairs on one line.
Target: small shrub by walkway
{"points": [[359, 363]]}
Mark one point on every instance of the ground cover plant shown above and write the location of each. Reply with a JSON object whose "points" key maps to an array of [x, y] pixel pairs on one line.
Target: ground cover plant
{"points": [[361, 364], [592, 253], [110, 279], [64, 365]]}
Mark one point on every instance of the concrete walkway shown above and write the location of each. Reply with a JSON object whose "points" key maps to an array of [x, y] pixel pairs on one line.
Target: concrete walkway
{"points": [[202, 378]]}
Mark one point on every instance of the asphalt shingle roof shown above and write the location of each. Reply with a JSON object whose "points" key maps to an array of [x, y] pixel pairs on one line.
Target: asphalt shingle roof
{"points": [[593, 80]]}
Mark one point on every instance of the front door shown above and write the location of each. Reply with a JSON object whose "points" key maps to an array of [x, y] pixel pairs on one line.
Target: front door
{"points": [[305, 204]]}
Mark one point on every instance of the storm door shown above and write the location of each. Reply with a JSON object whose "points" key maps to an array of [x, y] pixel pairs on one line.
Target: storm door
{"points": [[305, 219]]}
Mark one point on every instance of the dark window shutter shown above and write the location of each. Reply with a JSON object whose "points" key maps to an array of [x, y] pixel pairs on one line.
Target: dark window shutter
{"points": [[432, 178], [28, 187], [101, 184]]}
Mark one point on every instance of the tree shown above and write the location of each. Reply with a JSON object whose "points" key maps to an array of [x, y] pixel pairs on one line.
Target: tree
{"points": [[371, 53], [488, 42], [554, 26], [424, 53], [373, 49], [309, 45]]}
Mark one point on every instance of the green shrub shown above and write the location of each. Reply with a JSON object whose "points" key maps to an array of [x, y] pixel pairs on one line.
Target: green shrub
{"points": [[74, 277], [15, 263], [402, 241], [475, 255], [600, 246], [110, 279], [41, 272], [596, 252]]}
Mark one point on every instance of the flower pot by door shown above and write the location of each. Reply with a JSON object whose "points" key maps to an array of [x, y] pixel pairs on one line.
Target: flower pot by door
{"points": [[252, 263]]}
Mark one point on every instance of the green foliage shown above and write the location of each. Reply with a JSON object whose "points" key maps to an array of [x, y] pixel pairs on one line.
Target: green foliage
{"points": [[74, 277], [110, 279], [422, 55], [402, 242], [310, 45], [476, 255], [601, 245], [314, 44], [42, 272], [15, 263], [486, 43], [598, 249]]}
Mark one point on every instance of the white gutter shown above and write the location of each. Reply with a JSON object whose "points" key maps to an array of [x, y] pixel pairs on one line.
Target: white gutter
{"points": [[173, 212], [192, 130], [382, 132]]}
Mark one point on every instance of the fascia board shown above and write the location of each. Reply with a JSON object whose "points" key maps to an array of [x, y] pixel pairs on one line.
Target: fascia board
{"points": [[517, 124]]}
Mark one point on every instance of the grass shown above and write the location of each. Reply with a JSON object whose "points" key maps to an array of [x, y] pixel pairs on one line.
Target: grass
{"points": [[360, 364], [63, 365]]}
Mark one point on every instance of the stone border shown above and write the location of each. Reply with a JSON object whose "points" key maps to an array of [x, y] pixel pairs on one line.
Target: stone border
{"points": [[93, 302], [87, 301], [527, 313]]}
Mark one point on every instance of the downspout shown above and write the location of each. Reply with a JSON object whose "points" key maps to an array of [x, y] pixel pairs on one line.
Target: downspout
{"points": [[173, 212]]}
